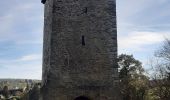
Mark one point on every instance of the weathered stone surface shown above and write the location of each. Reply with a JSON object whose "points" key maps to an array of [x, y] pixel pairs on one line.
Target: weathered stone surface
{"points": [[80, 50]]}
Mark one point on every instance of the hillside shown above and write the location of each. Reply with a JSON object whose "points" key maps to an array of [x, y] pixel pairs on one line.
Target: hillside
{"points": [[17, 83]]}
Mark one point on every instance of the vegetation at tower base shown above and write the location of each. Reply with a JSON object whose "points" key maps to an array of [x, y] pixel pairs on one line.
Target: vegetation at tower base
{"points": [[32, 94], [163, 55], [134, 84], [5, 92], [161, 75], [19, 89]]}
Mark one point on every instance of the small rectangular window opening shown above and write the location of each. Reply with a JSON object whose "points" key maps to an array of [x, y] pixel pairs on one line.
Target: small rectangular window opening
{"points": [[85, 10], [83, 40]]}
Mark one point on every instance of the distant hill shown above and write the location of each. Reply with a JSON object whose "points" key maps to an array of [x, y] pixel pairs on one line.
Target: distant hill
{"points": [[17, 83]]}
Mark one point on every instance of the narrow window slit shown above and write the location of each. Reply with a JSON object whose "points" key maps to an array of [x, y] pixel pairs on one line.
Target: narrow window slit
{"points": [[85, 10], [83, 40]]}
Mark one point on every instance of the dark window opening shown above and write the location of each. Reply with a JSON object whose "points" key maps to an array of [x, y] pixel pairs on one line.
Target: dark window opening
{"points": [[82, 98], [85, 11], [83, 40], [59, 1], [43, 1]]}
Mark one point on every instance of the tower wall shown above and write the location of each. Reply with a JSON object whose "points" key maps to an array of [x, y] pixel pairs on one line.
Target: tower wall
{"points": [[80, 50]]}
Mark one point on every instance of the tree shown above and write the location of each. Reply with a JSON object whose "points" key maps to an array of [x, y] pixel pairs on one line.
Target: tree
{"points": [[162, 71], [6, 92], [34, 94], [164, 52], [133, 80]]}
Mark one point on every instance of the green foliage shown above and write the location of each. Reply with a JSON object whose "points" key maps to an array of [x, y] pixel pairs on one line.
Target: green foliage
{"points": [[5, 92], [13, 83], [134, 83], [162, 73], [33, 94], [30, 89]]}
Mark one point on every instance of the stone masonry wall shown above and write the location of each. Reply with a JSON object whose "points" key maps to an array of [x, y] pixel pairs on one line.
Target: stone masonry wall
{"points": [[80, 50]]}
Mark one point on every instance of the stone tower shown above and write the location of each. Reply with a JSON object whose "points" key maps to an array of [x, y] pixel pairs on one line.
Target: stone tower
{"points": [[80, 50]]}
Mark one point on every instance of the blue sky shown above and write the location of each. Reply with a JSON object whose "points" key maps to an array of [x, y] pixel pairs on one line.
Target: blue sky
{"points": [[142, 26]]}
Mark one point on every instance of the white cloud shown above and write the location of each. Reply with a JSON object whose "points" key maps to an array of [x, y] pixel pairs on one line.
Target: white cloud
{"points": [[19, 18], [28, 66], [21, 25], [25, 58], [30, 57], [131, 7], [137, 40], [24, 70]]}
